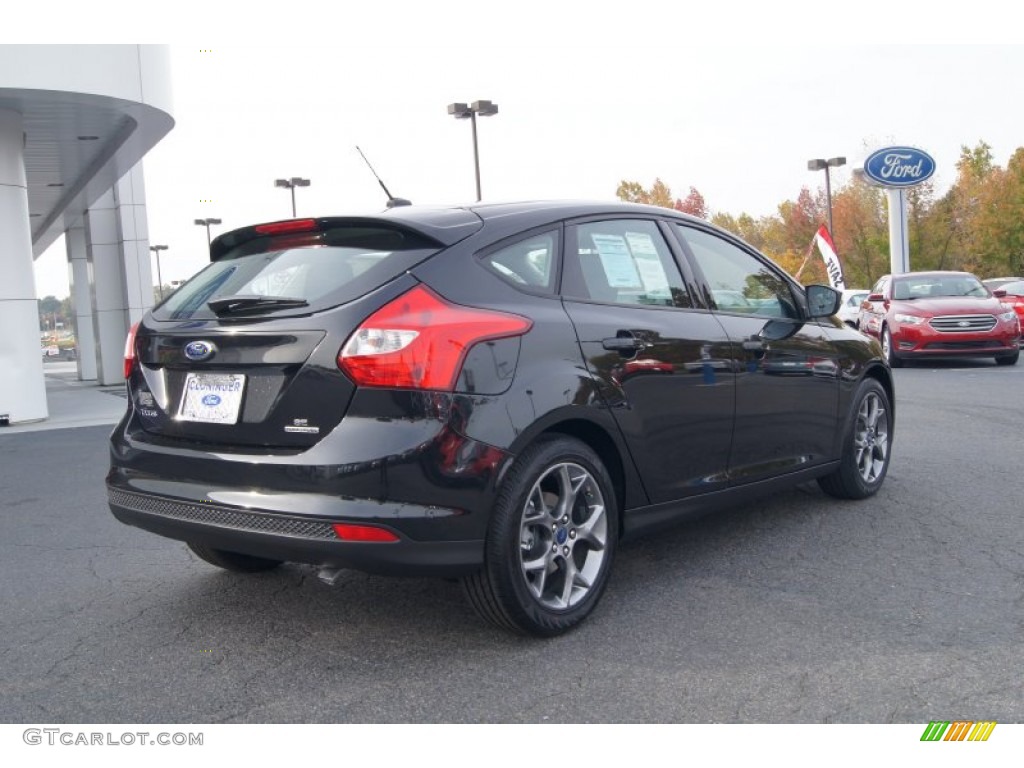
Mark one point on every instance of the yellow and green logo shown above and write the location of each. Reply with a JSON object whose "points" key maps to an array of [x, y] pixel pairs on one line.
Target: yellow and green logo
{"points": [[958, 730]]}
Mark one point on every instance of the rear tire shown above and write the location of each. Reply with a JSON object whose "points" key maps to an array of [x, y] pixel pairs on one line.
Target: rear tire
{"points": [[550, 542], [232, 561], [867, 443], [1008, 359]]}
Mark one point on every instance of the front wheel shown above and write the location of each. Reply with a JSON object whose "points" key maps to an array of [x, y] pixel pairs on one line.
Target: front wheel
{"points": [[888, 350], [550, 542], [1010, 359], [867, 442]]}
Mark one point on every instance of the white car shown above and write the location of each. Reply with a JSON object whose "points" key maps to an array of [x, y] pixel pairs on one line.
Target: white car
{"points": [[849, 309]]}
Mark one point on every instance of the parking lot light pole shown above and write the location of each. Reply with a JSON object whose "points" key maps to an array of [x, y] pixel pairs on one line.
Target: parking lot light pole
{"points": [[291, 184], [824, 165], [462, 111], [159, 279], [206, 223]]}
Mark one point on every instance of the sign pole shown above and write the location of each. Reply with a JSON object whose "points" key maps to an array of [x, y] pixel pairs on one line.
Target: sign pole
{"points": [[899, 247]]}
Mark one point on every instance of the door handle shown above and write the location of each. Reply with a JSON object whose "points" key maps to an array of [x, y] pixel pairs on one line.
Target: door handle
{"points": [[623, 344]]}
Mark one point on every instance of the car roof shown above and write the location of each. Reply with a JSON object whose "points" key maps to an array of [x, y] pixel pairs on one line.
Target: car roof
{"points": [[506, 219], [447, 224], [934, 273], [545, 210]]}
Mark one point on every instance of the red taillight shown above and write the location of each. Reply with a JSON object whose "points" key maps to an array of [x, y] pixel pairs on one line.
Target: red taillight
{"points": [[349, 532], [419, 341], [286, 227], [129, 351]]}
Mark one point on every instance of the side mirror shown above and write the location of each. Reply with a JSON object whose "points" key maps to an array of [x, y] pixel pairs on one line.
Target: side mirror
{"points": [[999, 293], [823, 301]]}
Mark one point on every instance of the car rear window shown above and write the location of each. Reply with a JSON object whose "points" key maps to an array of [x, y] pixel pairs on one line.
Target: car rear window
{"points": [[324, 269]]}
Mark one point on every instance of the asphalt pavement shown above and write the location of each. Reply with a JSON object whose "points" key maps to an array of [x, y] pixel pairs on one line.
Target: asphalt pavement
{"points": [[906, 608]]}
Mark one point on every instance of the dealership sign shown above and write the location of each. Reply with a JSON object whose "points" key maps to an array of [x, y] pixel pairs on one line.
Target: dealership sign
{"points": [[899, 167]]}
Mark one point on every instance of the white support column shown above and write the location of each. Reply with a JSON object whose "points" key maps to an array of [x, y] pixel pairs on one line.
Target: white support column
{"points": [[130, 194], [899, 248], [122, 280], [81, 298], [110, 318], [22, 386]]}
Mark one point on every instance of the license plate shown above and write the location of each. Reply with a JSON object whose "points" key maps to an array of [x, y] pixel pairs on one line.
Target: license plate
{"points": [[214, 398]]}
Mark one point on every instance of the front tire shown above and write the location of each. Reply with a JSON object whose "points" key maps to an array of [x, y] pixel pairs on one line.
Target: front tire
{"points": [[550, 543], [888, 350], [867, 441], [1010, 359], [235, 562]]}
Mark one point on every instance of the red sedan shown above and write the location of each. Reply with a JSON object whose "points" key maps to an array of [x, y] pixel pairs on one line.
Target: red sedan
{"points": [[939, 314], [1012, 295]]}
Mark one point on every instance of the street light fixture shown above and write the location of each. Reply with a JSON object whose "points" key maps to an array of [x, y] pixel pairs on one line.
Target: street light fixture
{"points": [[206, 223], [291, 184], [462, 111], [824, 165], [159, 278]]}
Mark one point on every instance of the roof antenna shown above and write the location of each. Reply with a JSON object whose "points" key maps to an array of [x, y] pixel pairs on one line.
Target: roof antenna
{"points": [[393, 202]]}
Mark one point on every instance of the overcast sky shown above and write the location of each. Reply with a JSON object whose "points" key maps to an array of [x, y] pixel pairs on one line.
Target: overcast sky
{"points": [[613, 91]]}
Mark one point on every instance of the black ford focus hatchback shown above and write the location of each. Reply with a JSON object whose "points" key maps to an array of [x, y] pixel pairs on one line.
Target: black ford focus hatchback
{"points": [[498, 393]]}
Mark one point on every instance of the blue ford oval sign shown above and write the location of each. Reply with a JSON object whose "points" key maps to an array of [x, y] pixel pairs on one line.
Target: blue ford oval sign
{"points": [[199, 350], [899, 166], [211, 400]]}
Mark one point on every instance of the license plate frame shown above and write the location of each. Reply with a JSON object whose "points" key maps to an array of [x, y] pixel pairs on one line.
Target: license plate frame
{"points": [[212, 398]]}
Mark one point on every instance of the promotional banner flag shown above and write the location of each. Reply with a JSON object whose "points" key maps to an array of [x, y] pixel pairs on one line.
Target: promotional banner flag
{"points": [[828, 255]]}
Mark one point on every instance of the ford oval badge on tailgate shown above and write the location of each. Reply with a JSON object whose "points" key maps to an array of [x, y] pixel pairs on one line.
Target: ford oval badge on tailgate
{"points": [[199, 350]]}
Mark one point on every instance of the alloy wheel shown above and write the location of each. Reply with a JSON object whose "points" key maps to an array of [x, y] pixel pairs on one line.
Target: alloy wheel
{"points": [[871, 437], [563, 536]]}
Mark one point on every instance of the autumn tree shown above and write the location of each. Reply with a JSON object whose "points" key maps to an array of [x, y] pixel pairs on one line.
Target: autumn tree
{"points": [[998, 225], [861, 233], [634, 192], [693, 204], [660, 194]]}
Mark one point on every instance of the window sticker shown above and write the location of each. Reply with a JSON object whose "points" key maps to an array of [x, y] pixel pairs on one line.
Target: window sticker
{"points": [[617, 261], [655, 281]]}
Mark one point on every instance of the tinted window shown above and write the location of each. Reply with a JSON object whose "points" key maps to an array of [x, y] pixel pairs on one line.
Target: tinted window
{"points": [[528, 263], [624, 262], [1013, 289], [926, 286], [323, 268], [739, 282], [856, 299]]}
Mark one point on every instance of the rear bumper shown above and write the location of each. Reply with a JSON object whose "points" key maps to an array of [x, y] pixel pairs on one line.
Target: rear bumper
{"points": [[300, 538]]}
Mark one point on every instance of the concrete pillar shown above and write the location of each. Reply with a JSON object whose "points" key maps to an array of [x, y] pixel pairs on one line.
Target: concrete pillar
{"points": [[130, 194], [117, 243], [110, 313], [22, 386], [899, 247], [80, 281]]}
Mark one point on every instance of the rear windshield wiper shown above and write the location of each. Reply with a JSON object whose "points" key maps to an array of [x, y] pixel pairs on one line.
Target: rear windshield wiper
{"points": [[253, 305]]}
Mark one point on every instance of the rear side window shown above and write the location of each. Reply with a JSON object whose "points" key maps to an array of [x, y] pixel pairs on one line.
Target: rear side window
{"points": [[623, 262], [527, 264], [322, 268]]}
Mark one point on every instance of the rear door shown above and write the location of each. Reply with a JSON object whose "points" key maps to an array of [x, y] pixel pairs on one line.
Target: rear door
{"points": [[661, 360]]}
